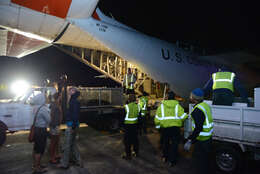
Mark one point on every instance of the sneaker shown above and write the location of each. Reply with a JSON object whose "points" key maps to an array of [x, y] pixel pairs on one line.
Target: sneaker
{"points": [[41, 166], [39, 171], [80, 164], [164, 160], [171, 164], [63, 167], [134, 154], [126, 157]]}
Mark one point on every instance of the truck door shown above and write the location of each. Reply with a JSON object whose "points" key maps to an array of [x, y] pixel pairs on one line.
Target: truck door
{"points": [[25, 116], [8, 114]]}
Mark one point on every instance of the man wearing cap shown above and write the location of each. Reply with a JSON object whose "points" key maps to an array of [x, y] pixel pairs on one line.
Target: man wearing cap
{"points": [[72, 121], [169, 117], [222, 84], [202, 126]]}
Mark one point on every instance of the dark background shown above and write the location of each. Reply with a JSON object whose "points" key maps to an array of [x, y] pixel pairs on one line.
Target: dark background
{"points": [[217, 26], [213, 24]]}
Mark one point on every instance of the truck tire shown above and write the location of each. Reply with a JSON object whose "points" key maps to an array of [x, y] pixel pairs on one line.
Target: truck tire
{"points": [[2, 133], [228, 159]]}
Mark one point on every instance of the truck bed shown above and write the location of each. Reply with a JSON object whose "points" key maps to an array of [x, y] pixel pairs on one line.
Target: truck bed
{"points": [[234, 123]]}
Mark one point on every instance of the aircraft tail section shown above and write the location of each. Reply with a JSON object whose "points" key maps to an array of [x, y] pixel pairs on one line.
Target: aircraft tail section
{"points": [[98, 15]]}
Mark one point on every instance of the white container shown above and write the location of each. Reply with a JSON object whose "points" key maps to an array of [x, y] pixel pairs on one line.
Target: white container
{"points": [[209, 102], [257, 97]]}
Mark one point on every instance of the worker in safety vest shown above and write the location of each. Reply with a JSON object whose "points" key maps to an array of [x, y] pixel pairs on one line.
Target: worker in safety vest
{"points": [[169, 118], [202, 126], [132, 111], [143, 105], [222, 84], [128, 82]]}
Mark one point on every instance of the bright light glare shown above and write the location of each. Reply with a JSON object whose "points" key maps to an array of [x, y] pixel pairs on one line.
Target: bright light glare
{"points": [[20, 87]]}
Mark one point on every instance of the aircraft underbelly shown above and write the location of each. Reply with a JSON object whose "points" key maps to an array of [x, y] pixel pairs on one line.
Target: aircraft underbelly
{"points": [[75, 36], [31, 23], [141, 50]]}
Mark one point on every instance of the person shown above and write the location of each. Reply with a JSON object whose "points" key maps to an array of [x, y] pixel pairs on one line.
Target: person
{"points": [[222, 84], [143, 103], [42, 121], [131, 128], [56, 119], [62, 90], [202, 132], [128, 82], [169, 118], [72, 121]]}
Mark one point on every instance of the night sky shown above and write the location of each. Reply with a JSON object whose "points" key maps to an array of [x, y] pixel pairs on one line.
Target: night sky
{"points": [[214, 25]]}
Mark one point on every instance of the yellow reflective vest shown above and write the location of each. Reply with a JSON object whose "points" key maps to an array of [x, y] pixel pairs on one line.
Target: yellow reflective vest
{"points": [[129, 81], [207, 130], [143, 102], [223, 80], [169, 114], [132, 113]]}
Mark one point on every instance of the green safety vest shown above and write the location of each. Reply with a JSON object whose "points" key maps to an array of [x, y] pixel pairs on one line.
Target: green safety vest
{"points": [[129, 83], [169, 114], [223, 80], [132, 112], [207, 130], [143, 102]]}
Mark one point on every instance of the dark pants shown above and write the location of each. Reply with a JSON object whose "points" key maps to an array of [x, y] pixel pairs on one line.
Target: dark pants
{"points": [[131, 138], [201, 156], [170, 141], [142, 125], [223, 97], [40, 140], [130, 91]]}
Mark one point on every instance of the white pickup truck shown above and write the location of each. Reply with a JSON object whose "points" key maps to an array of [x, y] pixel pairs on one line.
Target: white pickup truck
{"points": [[18, 114], [236, 133]]}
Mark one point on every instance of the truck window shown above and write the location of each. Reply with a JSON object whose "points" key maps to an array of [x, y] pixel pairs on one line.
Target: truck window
{"points": [[30, 97]]}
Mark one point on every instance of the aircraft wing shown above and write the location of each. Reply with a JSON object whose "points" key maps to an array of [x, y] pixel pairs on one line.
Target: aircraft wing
{"points": [[16, 45]]}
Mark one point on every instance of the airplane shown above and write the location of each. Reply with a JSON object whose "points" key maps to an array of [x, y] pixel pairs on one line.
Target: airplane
{"points": [[28, 26]]}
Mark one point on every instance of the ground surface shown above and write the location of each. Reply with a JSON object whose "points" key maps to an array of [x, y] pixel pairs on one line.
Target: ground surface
{"points": [[101, 154]]}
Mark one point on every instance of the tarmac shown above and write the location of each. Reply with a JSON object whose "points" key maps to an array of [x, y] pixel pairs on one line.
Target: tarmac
{"points": [[101, 152]]}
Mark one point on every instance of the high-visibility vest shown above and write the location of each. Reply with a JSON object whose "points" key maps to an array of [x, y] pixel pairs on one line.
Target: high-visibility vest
{"points": [[223, 80], [129, 83], [132, 112], [143, 102], [169, 114], [207, 130]]}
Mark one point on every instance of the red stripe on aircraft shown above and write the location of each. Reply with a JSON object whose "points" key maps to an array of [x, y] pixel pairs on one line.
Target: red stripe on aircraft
{"points": [[58, 8], [95, 15]]}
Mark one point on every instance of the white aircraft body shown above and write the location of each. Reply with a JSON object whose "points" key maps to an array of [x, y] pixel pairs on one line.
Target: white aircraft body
{"points": [[79, 23]]}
